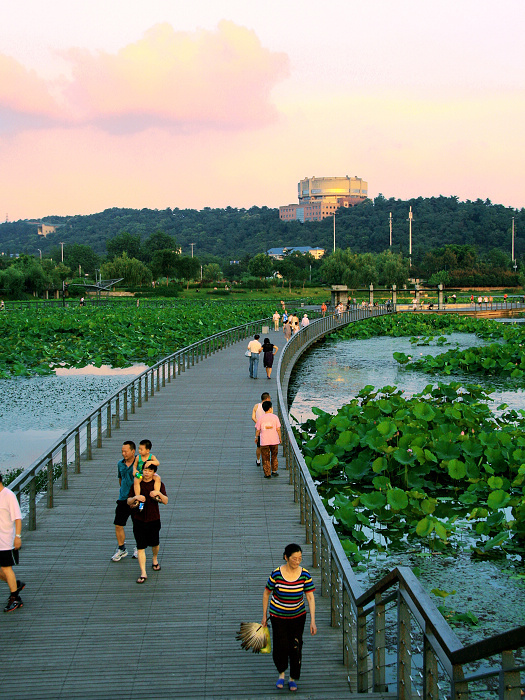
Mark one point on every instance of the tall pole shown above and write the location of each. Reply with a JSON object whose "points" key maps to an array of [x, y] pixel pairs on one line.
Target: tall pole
{"points": [[192, 244], [390, 222], [334, 231], [62, 251], [410, 237], [513, 240], [40, 253]]}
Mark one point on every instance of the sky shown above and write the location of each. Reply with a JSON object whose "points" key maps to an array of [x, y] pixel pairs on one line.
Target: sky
{"points": [[216, 103]]}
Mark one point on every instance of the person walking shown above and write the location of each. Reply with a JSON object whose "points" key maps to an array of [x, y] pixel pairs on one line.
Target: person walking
{"points": [[305, 321], [323, 309], [146, 519], [268, 431], [258, 412], [276, 318], [268, 350], [284, 597], [254, 347], [10, 543], [123, 511], [287, 330]]}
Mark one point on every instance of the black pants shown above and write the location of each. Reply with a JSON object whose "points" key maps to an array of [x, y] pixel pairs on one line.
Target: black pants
{"points": [[288, 644]]}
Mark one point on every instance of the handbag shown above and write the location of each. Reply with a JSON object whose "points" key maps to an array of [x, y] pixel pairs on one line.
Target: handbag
{"points": [[247, 353]]}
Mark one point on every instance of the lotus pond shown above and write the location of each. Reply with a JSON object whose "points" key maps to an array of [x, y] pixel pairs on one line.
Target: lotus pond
{"points": [[429, 476]]}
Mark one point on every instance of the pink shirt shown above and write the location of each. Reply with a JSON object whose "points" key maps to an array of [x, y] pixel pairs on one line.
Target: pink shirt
{"points": [[268, 425], [9, 512]]}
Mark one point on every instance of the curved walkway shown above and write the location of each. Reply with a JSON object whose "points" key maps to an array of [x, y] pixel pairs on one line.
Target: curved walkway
{"points": [[88, 631]]}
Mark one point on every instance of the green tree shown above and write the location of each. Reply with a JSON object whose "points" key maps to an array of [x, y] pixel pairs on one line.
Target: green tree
{"points": [[164, 262], [187, 268], [132, 270], [158, 241], [261, 265], [212, 272], [124, 242]]}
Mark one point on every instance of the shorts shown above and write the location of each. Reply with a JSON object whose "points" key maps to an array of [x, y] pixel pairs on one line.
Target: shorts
{"points": [[146, 534], [122, 513], [9, 557]]}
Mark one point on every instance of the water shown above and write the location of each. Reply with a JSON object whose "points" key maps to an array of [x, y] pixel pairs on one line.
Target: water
{"points": [[334, 372], [36, 411]]}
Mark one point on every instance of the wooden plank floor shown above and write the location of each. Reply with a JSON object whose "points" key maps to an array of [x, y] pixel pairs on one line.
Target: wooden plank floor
{"points": [[87, 630]]}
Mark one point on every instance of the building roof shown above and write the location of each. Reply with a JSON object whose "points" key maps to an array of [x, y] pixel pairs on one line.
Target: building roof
{"points": [[291, 249]]}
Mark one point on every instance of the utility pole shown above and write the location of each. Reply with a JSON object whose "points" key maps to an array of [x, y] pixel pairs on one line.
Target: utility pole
{"points": [[410, 217], [390, 223], [62, 251], [334, 231], [514, 264], [192, 244]]}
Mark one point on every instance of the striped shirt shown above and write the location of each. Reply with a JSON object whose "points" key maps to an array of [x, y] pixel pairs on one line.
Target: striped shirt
{"points": [[287, 599]]}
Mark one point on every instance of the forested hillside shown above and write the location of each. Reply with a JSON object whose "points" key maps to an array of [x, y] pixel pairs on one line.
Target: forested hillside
{"points": [[234, 233]]}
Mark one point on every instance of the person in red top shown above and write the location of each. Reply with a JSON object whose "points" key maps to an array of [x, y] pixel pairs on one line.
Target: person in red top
{"points": [[146, 519], [268, 430]]}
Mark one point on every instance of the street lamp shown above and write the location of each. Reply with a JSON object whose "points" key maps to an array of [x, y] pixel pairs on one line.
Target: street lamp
{"points": [[334, 231], [390, 223], [410, 216], [192, 244], [513, 259], [40, 253], [62, 251]]}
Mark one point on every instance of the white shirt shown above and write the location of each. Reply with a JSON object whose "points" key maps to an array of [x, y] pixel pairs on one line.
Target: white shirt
{"points": [[9, 512]]}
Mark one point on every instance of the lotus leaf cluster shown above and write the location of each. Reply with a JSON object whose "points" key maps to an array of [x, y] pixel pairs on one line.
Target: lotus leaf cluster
{"points": [[433, 470], [35, 343]]}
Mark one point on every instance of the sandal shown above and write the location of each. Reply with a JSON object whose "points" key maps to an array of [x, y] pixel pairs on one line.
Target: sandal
{"points": [[280, 683], [142, 579], [292, 685], [156, 567]]}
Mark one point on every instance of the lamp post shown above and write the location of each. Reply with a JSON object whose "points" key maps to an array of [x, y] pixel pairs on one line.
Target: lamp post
{"points": [[334, 231], [62, 251], [192, 244], [410, 216], [513, 258], [390, 225], [40, 253]]}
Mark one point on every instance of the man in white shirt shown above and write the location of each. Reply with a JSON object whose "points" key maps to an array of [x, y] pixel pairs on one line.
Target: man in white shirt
{"points": [[255, 348], [10, 543]]}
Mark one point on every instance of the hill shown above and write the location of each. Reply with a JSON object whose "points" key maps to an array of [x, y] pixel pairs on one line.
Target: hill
{"points": [[234, 233]]}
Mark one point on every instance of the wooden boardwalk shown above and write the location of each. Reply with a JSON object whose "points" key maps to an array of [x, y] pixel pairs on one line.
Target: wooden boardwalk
{"points": [[87, 630]]}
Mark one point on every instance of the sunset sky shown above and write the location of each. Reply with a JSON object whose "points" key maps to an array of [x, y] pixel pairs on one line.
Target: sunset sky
{"points": [[164, 103]]}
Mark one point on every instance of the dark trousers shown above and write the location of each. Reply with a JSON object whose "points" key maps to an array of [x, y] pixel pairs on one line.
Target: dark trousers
{"points": [[269, 458], [288, 644]]}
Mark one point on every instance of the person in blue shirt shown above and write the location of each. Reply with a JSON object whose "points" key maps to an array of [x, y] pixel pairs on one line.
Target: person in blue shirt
{"points": [[123, 511]]}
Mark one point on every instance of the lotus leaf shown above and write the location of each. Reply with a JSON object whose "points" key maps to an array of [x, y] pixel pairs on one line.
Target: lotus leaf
{"points": [[447, 450], [424, 527], [381, 482], [497, 541], [428, 506], [348, 440], [387, 428], [423, 411], [498, 499], [373, 500], [468, 498], [379, 464], [440, 530], [495, 482], [356, 470], [457, 469], [404, 457], [397, 499], [323, 463]]}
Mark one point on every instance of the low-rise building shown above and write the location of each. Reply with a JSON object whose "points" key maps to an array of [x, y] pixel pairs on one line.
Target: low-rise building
{"points": [[280, 253], [320, 197]]}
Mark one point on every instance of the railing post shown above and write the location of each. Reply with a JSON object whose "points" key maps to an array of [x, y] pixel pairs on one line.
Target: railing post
{"points": [[99, 428], [50, 482], [404, 651], [378, 665], [117, 411], [32, 505], [146, 387], [133, 397], [89, 452], [509, 682], [139, 398], [108, 420], [65, 484], [430, 672], [77, 451], [163, 374], [126, 403], [335, 619], [169, 370], [362, 653], [308, 517], [152, 382], [325, 565]]}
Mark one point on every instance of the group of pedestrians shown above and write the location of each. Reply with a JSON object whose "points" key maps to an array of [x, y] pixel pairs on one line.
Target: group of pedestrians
{"points": [[255, 349], [141, 491]]}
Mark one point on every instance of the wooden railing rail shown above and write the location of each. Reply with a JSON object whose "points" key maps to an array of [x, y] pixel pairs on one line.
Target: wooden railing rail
{"points": [[426, 659]]}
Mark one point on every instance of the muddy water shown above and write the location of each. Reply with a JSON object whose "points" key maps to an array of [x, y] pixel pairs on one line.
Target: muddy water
{"points": [[331, 374]]}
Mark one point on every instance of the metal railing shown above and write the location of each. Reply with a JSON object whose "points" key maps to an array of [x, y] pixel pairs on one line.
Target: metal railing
{"points": [[65, 453], [393, 638]]}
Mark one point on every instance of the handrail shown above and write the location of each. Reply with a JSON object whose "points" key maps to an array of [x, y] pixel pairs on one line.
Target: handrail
{"points": [[90, 430], [426, 645]]}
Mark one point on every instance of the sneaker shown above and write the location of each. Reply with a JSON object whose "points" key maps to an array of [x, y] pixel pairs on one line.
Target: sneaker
{"points": [[257, 463], [135, 553], [20, 585], [119, 554], [13, 602], [275, 474]]}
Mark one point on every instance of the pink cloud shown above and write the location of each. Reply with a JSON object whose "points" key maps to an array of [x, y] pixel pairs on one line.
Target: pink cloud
{"points": [[179, 80]]}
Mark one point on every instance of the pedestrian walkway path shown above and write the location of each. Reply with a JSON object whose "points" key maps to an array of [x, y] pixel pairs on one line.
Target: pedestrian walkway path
{"points": [[87, 630]]}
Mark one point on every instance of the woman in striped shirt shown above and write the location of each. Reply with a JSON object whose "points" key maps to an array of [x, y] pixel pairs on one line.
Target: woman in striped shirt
{"points": [[284, 594]]}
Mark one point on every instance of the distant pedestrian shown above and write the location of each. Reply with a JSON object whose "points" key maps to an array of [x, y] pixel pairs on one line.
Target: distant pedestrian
{"points": [[146, 522], [268, 430], [82, 302], [287, 330], [2, 305], [254, 348], [268, 350], [258, 412], [276, 317], [10, 543], [505, 298], [123, 511], [323, 308], [472, 298], [305, 321]]}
